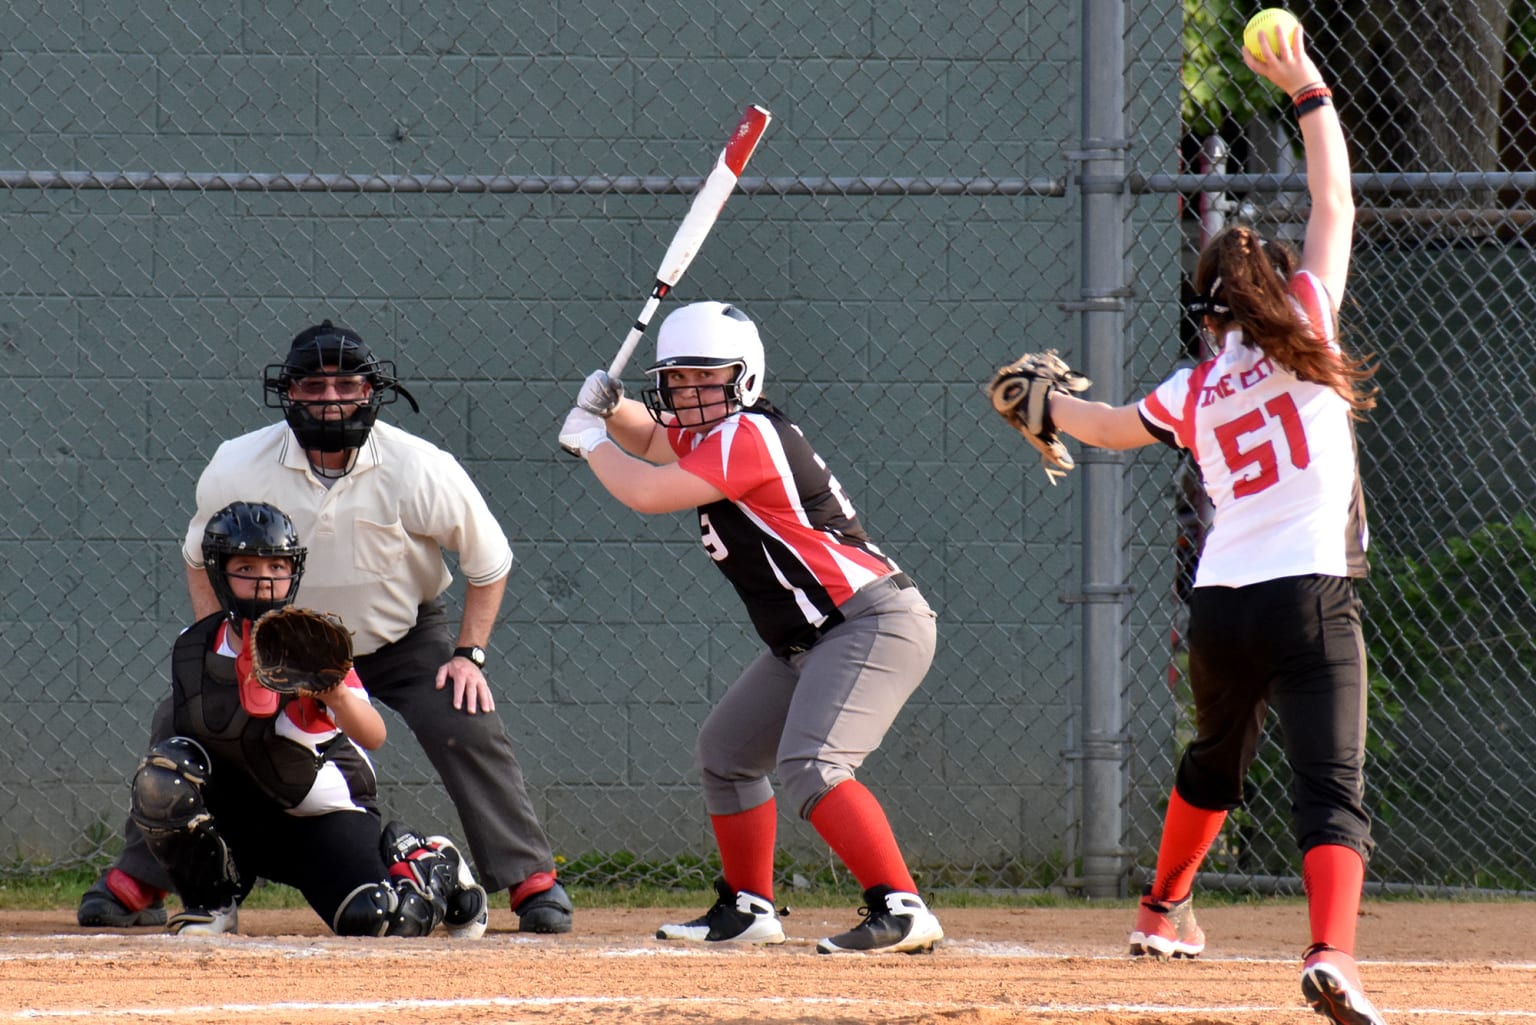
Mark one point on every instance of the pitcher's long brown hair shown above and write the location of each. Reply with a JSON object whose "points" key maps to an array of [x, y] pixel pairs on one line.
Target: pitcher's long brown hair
{"points": [[1255, 287]]}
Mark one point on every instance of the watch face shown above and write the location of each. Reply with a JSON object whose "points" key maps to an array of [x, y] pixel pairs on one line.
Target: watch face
{"points": [[475, 655]]}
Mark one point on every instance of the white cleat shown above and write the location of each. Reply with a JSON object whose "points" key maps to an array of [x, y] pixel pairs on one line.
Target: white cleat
{"points": [[736, 917]]}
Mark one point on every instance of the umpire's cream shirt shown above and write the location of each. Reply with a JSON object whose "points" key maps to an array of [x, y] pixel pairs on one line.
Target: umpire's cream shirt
{"points": [[375, 537]]}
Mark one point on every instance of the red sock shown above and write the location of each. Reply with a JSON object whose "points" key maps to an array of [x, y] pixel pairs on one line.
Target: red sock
{"points": [[746, 842], [1333, 876], [1188, 833], [130, 892], [854, 825]]}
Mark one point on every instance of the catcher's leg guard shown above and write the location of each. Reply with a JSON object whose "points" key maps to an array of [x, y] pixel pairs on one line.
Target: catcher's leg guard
{"points": [[415, 864], [468, 906], [168, 806], [415, 913], [394, 908], [367, 911]]}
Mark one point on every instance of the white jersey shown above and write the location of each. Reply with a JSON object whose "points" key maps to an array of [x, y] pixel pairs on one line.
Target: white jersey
{"points": [[1276, 455], [376, 536]]}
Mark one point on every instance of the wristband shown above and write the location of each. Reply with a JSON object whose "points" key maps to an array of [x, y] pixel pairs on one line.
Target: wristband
{"points": [[1296, 94], [1311, 98]]}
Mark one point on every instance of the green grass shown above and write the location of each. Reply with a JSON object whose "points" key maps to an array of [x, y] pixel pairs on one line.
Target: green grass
{"points": [[62, 889]]}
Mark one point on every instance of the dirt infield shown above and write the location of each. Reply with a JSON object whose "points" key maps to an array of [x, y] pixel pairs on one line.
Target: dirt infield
{"points": [[1446, 964]]}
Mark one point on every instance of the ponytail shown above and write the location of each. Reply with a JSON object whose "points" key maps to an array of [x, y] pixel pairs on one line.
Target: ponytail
{"points": [[1244, 281]]}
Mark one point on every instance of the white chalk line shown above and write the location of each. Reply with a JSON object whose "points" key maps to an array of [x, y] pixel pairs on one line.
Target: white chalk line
{"points": [[310, 948]]}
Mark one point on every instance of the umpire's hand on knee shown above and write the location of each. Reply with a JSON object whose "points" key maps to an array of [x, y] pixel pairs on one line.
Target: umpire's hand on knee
{"points": [[470, 691]]}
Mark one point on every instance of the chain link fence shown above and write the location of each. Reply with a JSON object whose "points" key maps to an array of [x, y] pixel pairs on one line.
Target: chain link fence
{"points": [[483, 192]]}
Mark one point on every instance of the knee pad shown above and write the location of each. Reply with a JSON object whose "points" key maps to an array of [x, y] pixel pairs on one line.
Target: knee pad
{"points": [[168, 786], [367, 911], [389, 908], [415, 914]]}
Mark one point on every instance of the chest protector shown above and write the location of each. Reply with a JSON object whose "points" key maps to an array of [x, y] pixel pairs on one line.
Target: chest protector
{"points": [[207, 708]]}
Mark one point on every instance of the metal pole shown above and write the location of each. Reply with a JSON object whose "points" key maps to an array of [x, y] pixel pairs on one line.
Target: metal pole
{"points": [[1102, 744]]}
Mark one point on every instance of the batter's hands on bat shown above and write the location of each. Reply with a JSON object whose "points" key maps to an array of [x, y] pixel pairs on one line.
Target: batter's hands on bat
{"points": [[582, 432], [1289, 67], [600, 394], [1020, 393], [471, 692]]}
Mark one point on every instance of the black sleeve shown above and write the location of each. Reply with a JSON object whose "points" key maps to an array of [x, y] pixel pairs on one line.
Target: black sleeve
{"points": [[1157, 432]]}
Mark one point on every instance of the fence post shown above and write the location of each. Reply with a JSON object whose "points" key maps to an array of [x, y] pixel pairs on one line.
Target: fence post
{"points": [[1101, 741]]}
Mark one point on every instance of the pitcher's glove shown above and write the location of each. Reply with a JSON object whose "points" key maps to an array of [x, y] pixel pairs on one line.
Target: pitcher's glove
{"points": [[300, 651], [1019, 393]]}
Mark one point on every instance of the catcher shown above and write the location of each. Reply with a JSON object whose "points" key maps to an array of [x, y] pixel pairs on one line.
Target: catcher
{"points": [[266, 775]]}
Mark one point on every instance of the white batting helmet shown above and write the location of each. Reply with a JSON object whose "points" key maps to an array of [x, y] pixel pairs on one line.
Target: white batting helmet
{"points": [[706, 335]]}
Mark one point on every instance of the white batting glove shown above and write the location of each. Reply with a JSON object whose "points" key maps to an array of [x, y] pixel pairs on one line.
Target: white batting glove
{"points": [[582, 432], [600, 394]]}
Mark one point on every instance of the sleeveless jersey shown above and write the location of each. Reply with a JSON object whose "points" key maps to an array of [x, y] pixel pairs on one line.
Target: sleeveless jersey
{"points": [[786, 536], [297, 757], [1276, 456]]}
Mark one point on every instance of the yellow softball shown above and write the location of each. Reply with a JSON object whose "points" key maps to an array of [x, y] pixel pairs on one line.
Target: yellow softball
{"points": [[1268, 22]]}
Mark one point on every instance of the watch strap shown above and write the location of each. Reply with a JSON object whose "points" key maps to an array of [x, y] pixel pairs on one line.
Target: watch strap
{"points": [[473, 653]]}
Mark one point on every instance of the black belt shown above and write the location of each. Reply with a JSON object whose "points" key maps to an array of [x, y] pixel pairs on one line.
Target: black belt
{"points": [[806, 638]]}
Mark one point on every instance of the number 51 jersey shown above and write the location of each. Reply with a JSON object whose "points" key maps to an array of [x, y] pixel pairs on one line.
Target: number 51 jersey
{"points": [[1276, 456]]}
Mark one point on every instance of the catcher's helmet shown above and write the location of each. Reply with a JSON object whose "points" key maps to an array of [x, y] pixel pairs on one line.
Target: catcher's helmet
{"points": [[250, 528], [703, 336], [328, 351]]}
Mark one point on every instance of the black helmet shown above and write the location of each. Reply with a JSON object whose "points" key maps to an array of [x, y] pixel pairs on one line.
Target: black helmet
{"points": [[250, 528], [326, 350]]}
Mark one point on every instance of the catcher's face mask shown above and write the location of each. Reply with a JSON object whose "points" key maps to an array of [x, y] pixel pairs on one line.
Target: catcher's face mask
{"points": [[264, 578]]}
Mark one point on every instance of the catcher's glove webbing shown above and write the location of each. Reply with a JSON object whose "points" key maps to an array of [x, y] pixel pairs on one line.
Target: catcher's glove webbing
{"points": [[300, 651], [1019, 392]]}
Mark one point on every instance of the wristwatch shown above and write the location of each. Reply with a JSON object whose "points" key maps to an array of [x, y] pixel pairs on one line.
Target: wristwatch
{"points": [[474, 653]]}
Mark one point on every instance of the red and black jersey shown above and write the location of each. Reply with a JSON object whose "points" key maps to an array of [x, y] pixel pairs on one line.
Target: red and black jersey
{"points": [[787, 538]]}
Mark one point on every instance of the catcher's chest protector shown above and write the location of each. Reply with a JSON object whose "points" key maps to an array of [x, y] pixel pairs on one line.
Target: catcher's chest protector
{"points": [[206, 707]]}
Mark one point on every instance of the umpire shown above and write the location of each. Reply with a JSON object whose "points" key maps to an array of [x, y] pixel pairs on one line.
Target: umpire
{"points": [[378, 507]]}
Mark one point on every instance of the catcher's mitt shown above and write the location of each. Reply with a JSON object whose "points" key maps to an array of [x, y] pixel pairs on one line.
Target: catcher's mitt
{"points": [[300, 651], [1019, 391]]}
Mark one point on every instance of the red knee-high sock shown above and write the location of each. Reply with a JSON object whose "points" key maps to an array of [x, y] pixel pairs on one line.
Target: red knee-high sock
{"points": [[1188, 833], [854, 825], [1333, 876], [746, 842]]}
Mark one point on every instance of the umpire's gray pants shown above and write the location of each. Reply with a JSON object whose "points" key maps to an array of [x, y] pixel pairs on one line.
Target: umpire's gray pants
{"points": [[815, 717]]}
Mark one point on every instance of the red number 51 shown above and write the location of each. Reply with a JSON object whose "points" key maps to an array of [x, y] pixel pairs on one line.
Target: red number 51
{"points": [[1262, 457]]}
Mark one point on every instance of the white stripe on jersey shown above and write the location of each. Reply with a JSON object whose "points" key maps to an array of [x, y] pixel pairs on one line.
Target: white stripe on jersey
{"points": [[856, 575], [330, 791], [808, 609]]}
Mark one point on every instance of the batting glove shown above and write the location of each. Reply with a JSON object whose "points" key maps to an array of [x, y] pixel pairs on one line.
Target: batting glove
{"points": [[600, 394], [582, 432]]}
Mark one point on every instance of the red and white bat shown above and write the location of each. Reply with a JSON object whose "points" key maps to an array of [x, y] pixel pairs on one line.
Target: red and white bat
{"points": [[701, 217]]}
